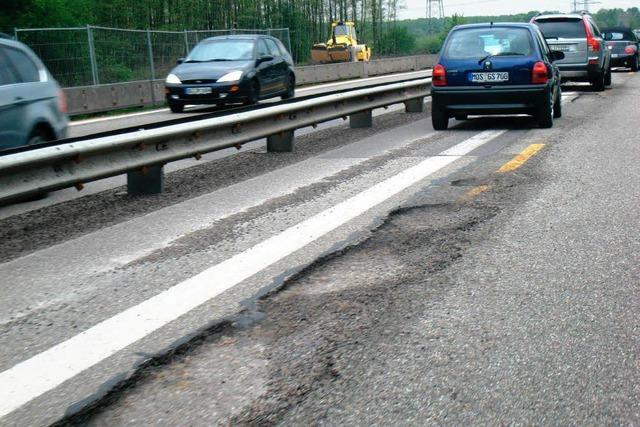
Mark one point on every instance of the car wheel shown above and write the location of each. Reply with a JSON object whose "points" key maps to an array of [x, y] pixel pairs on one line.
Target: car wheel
{"points": [[545, 112], [291, 88], [439, 119], [636, 64], [598, 83], [254, 94], [557, 106], [176, 107], [607, 77], [39, 135]]}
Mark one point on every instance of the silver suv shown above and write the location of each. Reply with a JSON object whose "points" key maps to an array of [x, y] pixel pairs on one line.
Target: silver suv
{"points": [[32, 105], [586, 57]]}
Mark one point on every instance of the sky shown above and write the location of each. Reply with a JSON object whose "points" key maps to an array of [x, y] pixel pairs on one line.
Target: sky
{"points": [[417, 8]]}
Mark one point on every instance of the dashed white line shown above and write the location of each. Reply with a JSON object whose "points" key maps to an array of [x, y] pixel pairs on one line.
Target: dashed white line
{"points": [[47, 370]]}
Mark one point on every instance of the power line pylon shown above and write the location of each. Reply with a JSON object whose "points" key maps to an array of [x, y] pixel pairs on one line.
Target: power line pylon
{"points": [[435, 9]]}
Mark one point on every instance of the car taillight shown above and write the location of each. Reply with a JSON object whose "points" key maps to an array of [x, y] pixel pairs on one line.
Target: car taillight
{"points": [[439, 76], [62, 101], [539, 75], [593, 45], [630, 50]]}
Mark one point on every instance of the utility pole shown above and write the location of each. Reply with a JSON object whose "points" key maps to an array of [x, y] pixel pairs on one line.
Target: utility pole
{"points": [[435, 9], [585, 5]]}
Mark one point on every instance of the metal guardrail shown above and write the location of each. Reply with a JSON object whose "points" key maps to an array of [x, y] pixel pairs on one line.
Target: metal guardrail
{"points": [[94, 99], [142, 154]]}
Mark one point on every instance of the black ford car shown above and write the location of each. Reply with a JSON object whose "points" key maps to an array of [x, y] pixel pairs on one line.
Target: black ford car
{"points": [[231, 69], [624, 47]]}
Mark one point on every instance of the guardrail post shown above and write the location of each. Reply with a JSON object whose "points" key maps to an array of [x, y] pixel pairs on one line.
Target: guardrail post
{"points": [[280, 143], [92, 57], [414, 105], [145, 182], [363, 119]]}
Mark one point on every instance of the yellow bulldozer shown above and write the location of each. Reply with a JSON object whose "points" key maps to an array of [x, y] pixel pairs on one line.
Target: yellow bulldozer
{"points": [[341, 47]]}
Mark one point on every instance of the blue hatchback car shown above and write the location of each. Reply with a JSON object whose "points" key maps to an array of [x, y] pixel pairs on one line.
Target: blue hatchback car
{"points": [[496, 69]]}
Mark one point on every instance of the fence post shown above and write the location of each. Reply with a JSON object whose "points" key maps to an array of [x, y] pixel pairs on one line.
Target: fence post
{"points": [[92, 57], [15, 34], [153, 68], [186, 43]]}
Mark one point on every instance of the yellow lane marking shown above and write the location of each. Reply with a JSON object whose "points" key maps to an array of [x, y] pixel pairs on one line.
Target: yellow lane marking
{"points": [[521, 158], [474, 192]]}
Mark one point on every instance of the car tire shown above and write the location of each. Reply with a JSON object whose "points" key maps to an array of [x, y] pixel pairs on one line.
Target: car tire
{"points": [[636, 64], [254, 93], [598, 83], [176, 107], [39, 135], [545, 112], [439, 119], [557, 106], [291, 88], [607, 77]]}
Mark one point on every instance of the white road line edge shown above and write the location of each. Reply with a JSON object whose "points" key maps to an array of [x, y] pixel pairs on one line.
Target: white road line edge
{"points": [[45, 371]]}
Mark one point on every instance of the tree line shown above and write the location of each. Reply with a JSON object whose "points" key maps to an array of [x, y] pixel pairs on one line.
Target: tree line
{"points": [[308, 20]]}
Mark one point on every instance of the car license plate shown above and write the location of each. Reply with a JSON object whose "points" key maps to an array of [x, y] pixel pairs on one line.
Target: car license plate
{"points": [[563, 47], [489, 77], [615, 55], [198, 90]]}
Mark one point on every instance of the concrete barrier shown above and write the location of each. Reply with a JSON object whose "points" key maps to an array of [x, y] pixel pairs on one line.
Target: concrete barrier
{"points": [[95, 99]]}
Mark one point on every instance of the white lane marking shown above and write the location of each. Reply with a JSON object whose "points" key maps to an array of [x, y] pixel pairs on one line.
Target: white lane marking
{"points": [[45, 371], [304, 89], [120, 116]]}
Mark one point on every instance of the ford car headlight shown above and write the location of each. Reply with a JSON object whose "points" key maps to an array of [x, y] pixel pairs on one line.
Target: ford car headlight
{"points": [[233, 76], [173, 79]]}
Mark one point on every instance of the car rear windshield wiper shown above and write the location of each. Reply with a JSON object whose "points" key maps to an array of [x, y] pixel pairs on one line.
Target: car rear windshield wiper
{"points": [[500, 54]]}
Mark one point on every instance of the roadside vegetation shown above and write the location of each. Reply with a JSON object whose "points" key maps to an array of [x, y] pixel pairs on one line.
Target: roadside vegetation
{"points": [[308, 20]]}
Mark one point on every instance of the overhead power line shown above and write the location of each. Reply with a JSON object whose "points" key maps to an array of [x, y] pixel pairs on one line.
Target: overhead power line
{"points": [[435, 9]]}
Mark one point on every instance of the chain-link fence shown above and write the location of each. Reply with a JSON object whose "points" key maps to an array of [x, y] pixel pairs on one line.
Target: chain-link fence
{"points": [[98, 55]]}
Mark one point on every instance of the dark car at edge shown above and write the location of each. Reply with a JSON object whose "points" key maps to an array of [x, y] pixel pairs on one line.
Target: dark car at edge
{"points": [[231, 69], [624, 47], [495, 69]]}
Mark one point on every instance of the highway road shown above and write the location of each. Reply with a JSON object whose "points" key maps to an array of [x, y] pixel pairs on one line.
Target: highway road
{"points": [[487, 274]]}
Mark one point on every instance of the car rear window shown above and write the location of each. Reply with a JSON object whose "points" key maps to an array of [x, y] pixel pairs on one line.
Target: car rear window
{"points": [[6, 75], [222, 50], [561, 28], [27, 70], [480, 42], [618, 35]]}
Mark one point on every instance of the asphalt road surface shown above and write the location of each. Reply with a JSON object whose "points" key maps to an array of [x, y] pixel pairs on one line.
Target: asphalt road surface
{"points": [[396, 275]]}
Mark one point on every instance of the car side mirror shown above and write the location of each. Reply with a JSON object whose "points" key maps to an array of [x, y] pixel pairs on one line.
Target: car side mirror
{"points": [[179, 61], [265, 58], [556, 55]]}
